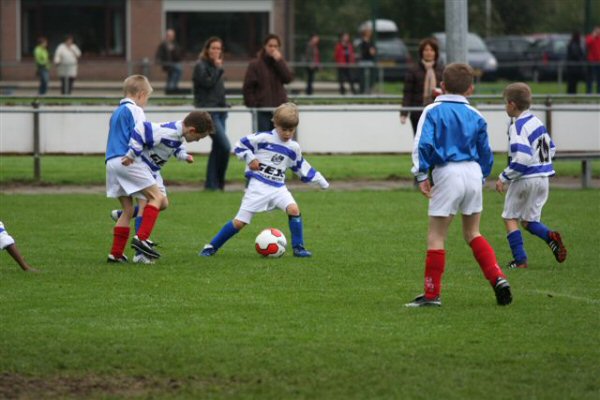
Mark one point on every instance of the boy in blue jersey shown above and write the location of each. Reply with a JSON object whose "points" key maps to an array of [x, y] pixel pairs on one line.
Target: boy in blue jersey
{"points": [[267, 156], [159, 143], [126, 175], [452, 139], [531, 153], [8, 243]]}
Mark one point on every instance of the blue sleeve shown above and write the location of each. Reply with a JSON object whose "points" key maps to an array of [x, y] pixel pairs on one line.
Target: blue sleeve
{"points": [[486, 157]]}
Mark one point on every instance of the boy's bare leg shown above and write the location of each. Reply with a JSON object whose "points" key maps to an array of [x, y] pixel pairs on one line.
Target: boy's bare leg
{"points": [[14, 252]]}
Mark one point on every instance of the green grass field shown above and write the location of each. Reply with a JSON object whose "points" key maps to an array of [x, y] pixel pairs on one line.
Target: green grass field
{"points": [[89, 170], [330, 327]]}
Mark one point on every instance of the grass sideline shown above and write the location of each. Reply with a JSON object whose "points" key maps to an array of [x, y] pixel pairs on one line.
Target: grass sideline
{"points": [[89, 170], [332, 327]]}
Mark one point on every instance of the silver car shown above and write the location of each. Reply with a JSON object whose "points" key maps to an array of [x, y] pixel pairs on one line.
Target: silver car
{"points": [[478, 56]]}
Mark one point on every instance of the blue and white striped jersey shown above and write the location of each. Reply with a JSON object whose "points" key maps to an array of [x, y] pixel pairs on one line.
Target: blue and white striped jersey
{"points": [[159, 142], [275, 157], [531, 149], [125, 120], [450, 130]]}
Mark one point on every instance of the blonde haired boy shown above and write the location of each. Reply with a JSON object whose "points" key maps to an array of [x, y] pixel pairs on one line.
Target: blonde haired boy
{"points": [[268, 155]]}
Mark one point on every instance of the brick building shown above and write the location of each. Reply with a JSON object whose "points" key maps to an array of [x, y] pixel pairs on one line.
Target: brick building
{"points": [[120, 37]]}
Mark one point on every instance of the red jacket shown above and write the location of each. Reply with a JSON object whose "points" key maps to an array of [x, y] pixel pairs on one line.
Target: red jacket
{"points": [[339, 55], [592, 43]]}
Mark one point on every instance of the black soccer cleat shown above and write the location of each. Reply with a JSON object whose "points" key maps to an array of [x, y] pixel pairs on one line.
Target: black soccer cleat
{"points": [[422, 301], [502, 291], [114, 260], [557, 247], [143, 246]]}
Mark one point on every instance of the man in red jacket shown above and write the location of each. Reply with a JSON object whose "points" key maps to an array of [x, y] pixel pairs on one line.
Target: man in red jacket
{"points": [[592, 42], [264, 80]]}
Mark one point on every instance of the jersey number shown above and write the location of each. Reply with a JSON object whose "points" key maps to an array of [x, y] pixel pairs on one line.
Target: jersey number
{"points": [[157, 160], [543, 149]]}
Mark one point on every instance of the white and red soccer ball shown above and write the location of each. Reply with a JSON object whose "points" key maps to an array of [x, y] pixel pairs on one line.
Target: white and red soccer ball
{"points": [[271, 243]]}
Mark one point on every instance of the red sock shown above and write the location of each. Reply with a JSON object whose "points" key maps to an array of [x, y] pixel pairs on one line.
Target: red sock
{"points": [[434, 269], [148, 220], [120, 238], [485, 256]]}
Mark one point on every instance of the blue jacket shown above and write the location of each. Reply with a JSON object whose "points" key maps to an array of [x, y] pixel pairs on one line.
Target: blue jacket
{"points": [[450, 130]]}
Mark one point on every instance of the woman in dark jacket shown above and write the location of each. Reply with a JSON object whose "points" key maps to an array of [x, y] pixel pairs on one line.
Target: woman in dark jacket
{"points": [[264, 80], [209, 92], [575, 60], [421, 81]]}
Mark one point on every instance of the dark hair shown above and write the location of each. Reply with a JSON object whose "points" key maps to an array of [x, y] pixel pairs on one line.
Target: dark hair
{"points": [[576, 36], [431, 42], [458, 78], [42, 39], [209, 41], [199, 120], [519, 93], [271, 36]]}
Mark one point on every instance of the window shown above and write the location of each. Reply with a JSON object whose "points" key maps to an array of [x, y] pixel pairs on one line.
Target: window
{"points": [[242, 32], [98, 26]]}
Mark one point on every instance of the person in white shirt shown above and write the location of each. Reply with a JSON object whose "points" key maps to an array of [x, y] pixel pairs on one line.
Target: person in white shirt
{"points": [[65, 57]]}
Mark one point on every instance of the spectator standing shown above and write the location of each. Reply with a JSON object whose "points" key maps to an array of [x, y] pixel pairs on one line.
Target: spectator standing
{"points": [[313, 60], [592, 42], [264, 80], [65, 57], [42, 64], [368, 52], [344, 58], [209, 92], [421, 80], [169, 56], [575, 59]]}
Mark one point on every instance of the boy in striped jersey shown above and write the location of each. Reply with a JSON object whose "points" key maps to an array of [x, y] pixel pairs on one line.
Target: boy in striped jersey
{"points": [[531, 153], [267, 156], [452, 139], [158, 143]]}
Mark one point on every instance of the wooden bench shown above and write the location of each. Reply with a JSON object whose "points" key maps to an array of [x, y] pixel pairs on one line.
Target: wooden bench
{"points": [[586, 158]]}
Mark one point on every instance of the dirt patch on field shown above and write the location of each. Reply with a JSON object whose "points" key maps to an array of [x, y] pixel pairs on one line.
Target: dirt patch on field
{"points": [[350, 185], [24, 387]]}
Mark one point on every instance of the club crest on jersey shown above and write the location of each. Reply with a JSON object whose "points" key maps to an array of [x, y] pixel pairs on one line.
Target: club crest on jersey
{"points": [[277, 159]]}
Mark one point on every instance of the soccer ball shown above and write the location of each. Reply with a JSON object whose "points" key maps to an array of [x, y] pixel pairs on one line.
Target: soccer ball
{"points": [[270, 243]]}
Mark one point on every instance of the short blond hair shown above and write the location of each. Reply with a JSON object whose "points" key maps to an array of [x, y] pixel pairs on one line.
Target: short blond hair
{"points": [[518, 93], [136, 84], [286, 115]]}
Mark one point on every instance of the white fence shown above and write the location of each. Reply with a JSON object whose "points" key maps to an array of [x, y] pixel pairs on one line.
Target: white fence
{"points": [[323, 129]]}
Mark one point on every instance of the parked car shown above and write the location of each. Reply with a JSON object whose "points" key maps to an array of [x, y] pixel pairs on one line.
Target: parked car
{"points": [[392, 53], [513, 55], [478, 56], [548, 54]]}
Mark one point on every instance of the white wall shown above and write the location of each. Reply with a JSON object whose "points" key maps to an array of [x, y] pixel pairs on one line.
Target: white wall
{"points": [[323, 129]]}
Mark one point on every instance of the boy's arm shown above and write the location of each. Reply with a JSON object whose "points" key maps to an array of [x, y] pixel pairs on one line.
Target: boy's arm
{"points": [[245, 148], [486, 157], [423, 147], [521, 155], [14, 252], [307, 173]]}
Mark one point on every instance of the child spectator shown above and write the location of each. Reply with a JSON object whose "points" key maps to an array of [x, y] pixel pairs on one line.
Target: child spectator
{"points": [[452, 139], [126, 175], [268, 155], [8, 243], [161, 141], [531, 153]]}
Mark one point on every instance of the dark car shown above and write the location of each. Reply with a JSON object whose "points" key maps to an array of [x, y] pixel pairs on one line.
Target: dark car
{"points": [[548, 54], [513, 55], [478, 56]]}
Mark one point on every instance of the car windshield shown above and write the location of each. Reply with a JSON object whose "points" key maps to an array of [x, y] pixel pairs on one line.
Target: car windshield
{"points": [[393, 47], [474, 43]]}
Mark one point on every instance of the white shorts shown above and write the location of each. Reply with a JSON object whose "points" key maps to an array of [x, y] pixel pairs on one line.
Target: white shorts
{"points": [[127, 181], [5, 239], [261, 197], [457, 187], [525, 199]]}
